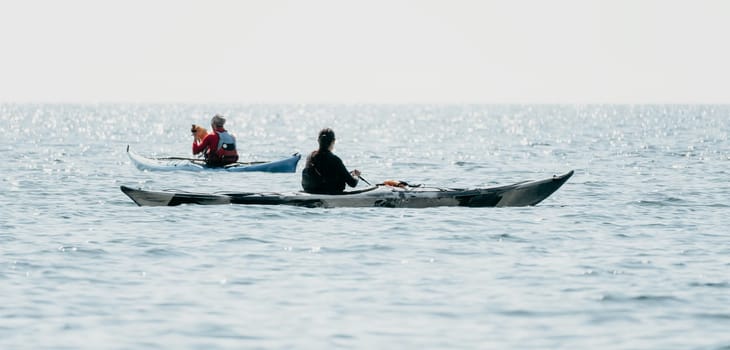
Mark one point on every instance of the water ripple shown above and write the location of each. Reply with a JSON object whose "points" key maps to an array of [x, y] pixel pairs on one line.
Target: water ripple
{"points": [[635, 240]]}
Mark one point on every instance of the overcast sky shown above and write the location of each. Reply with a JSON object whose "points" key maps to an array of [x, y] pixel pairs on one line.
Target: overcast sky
{"points": [[390, 51]]}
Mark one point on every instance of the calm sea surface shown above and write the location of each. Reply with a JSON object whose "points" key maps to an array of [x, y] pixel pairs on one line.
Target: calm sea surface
{"points": [[632, 253]]}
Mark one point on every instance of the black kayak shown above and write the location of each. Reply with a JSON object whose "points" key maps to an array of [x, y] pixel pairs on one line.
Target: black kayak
{"points": [[523, 193]]}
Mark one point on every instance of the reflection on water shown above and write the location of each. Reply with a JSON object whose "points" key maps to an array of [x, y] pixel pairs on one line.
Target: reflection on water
{"points": [[635, 240]]}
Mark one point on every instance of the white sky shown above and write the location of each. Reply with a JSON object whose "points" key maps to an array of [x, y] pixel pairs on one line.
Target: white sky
{"points": [[374, 51]]}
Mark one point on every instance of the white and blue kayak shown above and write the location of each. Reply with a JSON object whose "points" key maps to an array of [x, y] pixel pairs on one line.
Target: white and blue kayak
{"points": [[286, 165], [525, 193]]}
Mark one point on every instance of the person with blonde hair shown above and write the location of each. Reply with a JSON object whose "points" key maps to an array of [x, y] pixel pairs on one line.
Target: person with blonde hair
{"points": [[218, 147]]}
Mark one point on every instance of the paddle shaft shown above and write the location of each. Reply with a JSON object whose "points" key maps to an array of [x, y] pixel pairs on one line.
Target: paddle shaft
{"points": [[366, 181], [202, 160]]}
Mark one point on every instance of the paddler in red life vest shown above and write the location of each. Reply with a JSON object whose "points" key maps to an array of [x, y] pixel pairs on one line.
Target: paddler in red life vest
{"points": [[218, 147]]}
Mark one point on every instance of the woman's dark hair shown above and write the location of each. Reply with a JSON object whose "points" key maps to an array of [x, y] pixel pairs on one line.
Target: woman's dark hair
{"points": [[325, 138]]}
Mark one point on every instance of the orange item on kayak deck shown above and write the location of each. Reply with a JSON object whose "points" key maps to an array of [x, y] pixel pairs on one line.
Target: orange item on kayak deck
{"points": [[394, 183]]}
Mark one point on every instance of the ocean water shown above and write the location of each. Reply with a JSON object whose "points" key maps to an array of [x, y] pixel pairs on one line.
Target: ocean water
{"points": [[632, 253]]}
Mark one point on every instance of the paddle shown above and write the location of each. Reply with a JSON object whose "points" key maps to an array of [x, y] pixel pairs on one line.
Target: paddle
{"points": [[366, 181], [393, 183], [251, 163], [200, 160]]}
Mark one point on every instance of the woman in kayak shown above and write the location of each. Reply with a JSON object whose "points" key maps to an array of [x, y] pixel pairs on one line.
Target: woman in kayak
{"points": [[218, 147], [324, 172]]}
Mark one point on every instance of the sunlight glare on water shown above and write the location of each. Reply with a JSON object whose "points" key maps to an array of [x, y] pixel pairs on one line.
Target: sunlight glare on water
{"points": [[631, 253]]}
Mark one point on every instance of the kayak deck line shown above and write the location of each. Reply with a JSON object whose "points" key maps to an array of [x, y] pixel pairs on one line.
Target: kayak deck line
{"points": [[524, 193]]}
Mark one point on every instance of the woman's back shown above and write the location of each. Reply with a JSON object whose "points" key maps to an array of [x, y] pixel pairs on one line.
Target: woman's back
{"points": [[324, 173]]}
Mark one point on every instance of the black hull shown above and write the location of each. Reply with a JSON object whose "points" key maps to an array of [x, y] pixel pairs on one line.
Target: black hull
{"points": [[527, 193]]}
